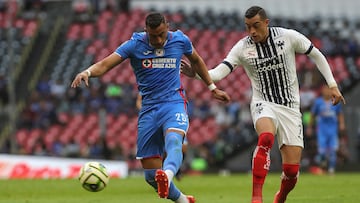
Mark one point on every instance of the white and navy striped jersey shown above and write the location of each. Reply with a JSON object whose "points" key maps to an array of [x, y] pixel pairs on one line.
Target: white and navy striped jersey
{"points": [[271, 66]]}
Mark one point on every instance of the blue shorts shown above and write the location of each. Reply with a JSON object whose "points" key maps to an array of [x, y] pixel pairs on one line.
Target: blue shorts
{"points": [[153, 122], [327, 140]]}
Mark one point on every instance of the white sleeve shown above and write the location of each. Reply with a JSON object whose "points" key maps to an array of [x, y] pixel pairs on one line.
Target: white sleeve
{"points": [[219, 72], [323, 66], [230, 63]]}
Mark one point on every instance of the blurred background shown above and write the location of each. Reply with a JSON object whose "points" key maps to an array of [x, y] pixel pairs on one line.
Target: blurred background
{"points": [[45, 43]]}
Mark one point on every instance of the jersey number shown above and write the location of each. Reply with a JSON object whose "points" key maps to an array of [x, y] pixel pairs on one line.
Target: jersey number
{"points": [[181, 118]]}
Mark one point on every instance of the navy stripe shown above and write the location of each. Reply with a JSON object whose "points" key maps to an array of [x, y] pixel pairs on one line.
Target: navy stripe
{"points": [[273, 47], [269, 78], [228, 65], [262, 77], [309, 50]]}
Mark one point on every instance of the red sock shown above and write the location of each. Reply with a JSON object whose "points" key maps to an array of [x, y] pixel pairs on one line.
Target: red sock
{"points": [[288, 180], [261, 163]]}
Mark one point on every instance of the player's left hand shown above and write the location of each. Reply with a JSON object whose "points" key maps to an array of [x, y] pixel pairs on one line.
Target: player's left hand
{"points": [[337, 96], [221, 95]]}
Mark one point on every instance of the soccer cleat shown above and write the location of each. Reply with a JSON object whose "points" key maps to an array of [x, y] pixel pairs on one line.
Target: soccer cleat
{"points": [[162, 183], [276, 197], [331, 171], [191, 199]]}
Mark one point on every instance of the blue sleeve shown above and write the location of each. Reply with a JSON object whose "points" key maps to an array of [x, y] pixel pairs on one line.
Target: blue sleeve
{"points": [[315, 107], [338, 109], [188, 48], [126, 48]]}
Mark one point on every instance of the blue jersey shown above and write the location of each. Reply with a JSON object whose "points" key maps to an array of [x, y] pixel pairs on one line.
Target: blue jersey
{"points": [[326, 115], [157, 71]]}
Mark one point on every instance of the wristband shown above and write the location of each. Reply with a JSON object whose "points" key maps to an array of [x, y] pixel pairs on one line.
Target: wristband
{"points": [[88, 72], [212, 86]]}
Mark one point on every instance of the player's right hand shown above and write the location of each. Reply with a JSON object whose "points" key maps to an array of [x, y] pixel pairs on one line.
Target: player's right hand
{"points": [[337, 96], [83, 76], [221, 95]]}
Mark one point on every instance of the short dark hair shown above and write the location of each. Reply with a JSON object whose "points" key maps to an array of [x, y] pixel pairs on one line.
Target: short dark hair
{"points": [[154, 19], [254, 10]]}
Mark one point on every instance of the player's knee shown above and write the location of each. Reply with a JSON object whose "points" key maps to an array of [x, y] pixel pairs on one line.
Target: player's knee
{"points": [[266, 140], [174, 140], [291, 170]]}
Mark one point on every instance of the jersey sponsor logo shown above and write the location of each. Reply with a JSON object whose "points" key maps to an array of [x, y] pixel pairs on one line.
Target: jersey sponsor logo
{"points": [[159, 52], [147, 52], [159, 63], [269, 64], [146, 63]]}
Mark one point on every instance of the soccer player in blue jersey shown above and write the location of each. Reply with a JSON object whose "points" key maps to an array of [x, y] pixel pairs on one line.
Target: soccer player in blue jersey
{"points": [[268, 56], [329, 121], [155, 56]]}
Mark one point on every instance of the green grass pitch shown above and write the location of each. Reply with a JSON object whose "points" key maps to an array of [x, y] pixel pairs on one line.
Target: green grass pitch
{"points": [[236, 188]]}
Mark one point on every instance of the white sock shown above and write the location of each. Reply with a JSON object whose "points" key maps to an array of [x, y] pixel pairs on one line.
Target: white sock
{"points": [[182, 199], [170, 175]]}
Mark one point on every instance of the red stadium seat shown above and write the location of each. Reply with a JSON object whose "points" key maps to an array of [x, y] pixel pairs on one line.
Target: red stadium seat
{"points": [[21, 136], [87, 31], [74, 31], [30, 28]]}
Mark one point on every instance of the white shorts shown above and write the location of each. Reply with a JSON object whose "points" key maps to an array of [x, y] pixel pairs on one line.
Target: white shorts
{"points": [[288, 122]]}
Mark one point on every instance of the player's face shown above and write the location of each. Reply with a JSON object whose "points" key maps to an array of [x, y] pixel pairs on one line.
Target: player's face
{"points": [[257, 28], [326, 92], [158, 36]]}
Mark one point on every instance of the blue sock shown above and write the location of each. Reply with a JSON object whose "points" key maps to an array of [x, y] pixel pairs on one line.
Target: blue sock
{"points": [[150, 177], [173, 148], [174, 192], [332, 159]]}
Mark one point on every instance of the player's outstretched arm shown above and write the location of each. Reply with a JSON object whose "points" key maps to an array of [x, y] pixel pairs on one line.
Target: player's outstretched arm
{"points": [[187, 70], [216, 74], [199, 68], [325, 70], [97, 69]]}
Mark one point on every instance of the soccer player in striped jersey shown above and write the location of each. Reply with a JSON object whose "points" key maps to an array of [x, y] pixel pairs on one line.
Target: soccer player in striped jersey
{"points": [[155, 56], [268, 56]]}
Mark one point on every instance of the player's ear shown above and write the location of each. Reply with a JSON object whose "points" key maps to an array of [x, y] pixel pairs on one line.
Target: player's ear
{"points": [[145, 29], [267, 21]]}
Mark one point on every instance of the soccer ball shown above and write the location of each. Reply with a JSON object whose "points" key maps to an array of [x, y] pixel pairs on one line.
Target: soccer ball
{"points": [[93, 176]]}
